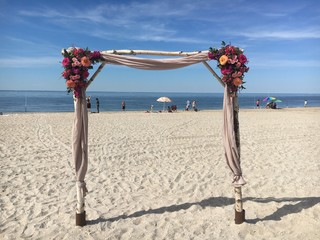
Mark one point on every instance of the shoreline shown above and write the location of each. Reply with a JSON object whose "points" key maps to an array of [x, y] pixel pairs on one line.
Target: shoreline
{"points": [[179, 111], [59, 102]]}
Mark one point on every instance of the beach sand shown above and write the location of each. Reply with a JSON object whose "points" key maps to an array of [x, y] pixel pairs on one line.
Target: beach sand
{"points": [[161, 176]]}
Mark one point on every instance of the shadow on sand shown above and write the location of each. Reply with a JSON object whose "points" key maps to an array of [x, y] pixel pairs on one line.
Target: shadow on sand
{"points": [[287, 209]]}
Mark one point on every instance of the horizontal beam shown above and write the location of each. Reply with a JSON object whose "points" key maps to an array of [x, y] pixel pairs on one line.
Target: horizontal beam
{"points": [[150, 52]]}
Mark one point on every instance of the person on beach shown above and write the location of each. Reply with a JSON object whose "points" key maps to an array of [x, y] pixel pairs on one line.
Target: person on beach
{"points": [[89, 104], [258, 103], [123, 105], [194, 106], [305, 103], [187, 105], [97, 104]]}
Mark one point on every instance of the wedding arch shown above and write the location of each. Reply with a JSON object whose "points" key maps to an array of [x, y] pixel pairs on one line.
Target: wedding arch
{"points": [[230, 60]]}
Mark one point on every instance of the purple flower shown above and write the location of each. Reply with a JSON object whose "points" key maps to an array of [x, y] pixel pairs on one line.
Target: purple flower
{"points": [[76, 70]]}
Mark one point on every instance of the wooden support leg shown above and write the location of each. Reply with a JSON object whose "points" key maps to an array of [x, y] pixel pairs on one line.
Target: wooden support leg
{"points": [[81, 219], [239, 211], [80, 212]]}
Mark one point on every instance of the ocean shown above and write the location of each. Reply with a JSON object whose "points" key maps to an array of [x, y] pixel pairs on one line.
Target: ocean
{"points": [[61, 101]]}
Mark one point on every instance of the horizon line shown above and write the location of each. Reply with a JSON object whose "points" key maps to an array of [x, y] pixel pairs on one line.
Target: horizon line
{"points": [[114, 91]]}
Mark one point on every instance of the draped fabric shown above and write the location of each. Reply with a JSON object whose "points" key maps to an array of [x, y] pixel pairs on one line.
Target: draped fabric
{"points": [[155, 64], [80, 124], [229, 141], [80, 146]]}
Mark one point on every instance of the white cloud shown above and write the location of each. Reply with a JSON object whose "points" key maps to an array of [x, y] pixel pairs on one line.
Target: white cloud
{"points": [[280, 34], [268, 63], [23, 62]]}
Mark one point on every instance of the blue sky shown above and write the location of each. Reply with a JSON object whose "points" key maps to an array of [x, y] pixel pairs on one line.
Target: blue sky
{"points": [[281, 40]]}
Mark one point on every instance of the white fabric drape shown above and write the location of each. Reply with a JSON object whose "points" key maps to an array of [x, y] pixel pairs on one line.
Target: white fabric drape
{"points": [[80, 125], [229, 141], [155, 64], [80, 147]]}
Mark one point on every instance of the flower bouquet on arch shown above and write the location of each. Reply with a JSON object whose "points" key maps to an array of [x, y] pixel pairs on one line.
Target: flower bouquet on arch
{"points": [[232, 63], [76, 63]]}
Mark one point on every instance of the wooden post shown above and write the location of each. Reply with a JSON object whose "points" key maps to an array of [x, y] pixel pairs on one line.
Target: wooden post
{"points": [[239, 211], [214, 73], [96, 74], [150, 52], [80, 212]]}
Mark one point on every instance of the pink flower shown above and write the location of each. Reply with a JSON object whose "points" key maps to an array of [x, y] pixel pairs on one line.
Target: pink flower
{"points": [[242, 58], [96, 55], [66, 73], [210, 55], [226, 70], [77, 51], [65, 62], [230, 50], [233, 60], [75, 77]]}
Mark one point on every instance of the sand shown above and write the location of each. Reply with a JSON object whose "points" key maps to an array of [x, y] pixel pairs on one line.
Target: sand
{"points": [[161, 176]]}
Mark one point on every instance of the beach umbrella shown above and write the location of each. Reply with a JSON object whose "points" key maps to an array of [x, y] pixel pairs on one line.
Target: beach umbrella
{"points": [[269, 99], [164, 100], [276, 100]]}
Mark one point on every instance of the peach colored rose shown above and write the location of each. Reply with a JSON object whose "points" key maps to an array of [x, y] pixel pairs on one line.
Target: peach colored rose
{"points": [[237, 81], [70, 84], [85, 62], [223, 59]]}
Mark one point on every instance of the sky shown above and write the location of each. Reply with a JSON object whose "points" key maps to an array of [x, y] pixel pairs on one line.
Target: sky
{"points": [[281, 39]]}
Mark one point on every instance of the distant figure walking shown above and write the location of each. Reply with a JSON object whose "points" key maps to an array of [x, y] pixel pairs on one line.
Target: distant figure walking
{"points": [[89, 104], [123, 105], [258, 103], [97, 104], [187, 105], [305, 103], [194, 106]]}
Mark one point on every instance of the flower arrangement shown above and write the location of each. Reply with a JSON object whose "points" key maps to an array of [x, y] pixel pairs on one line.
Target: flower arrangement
{"points": [[76, 63], [232, 64]]}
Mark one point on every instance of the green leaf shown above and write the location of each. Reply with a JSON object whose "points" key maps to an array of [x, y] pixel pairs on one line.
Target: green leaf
{"points": [[65, 53]]}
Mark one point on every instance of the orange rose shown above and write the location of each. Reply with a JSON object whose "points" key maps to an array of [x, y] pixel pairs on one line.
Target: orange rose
{"points": [[237, 82], [85, 62], [70, 84], [223, 59]]}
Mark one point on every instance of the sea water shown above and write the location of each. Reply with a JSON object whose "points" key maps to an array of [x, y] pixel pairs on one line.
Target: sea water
{"points": [[61, 101]]}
